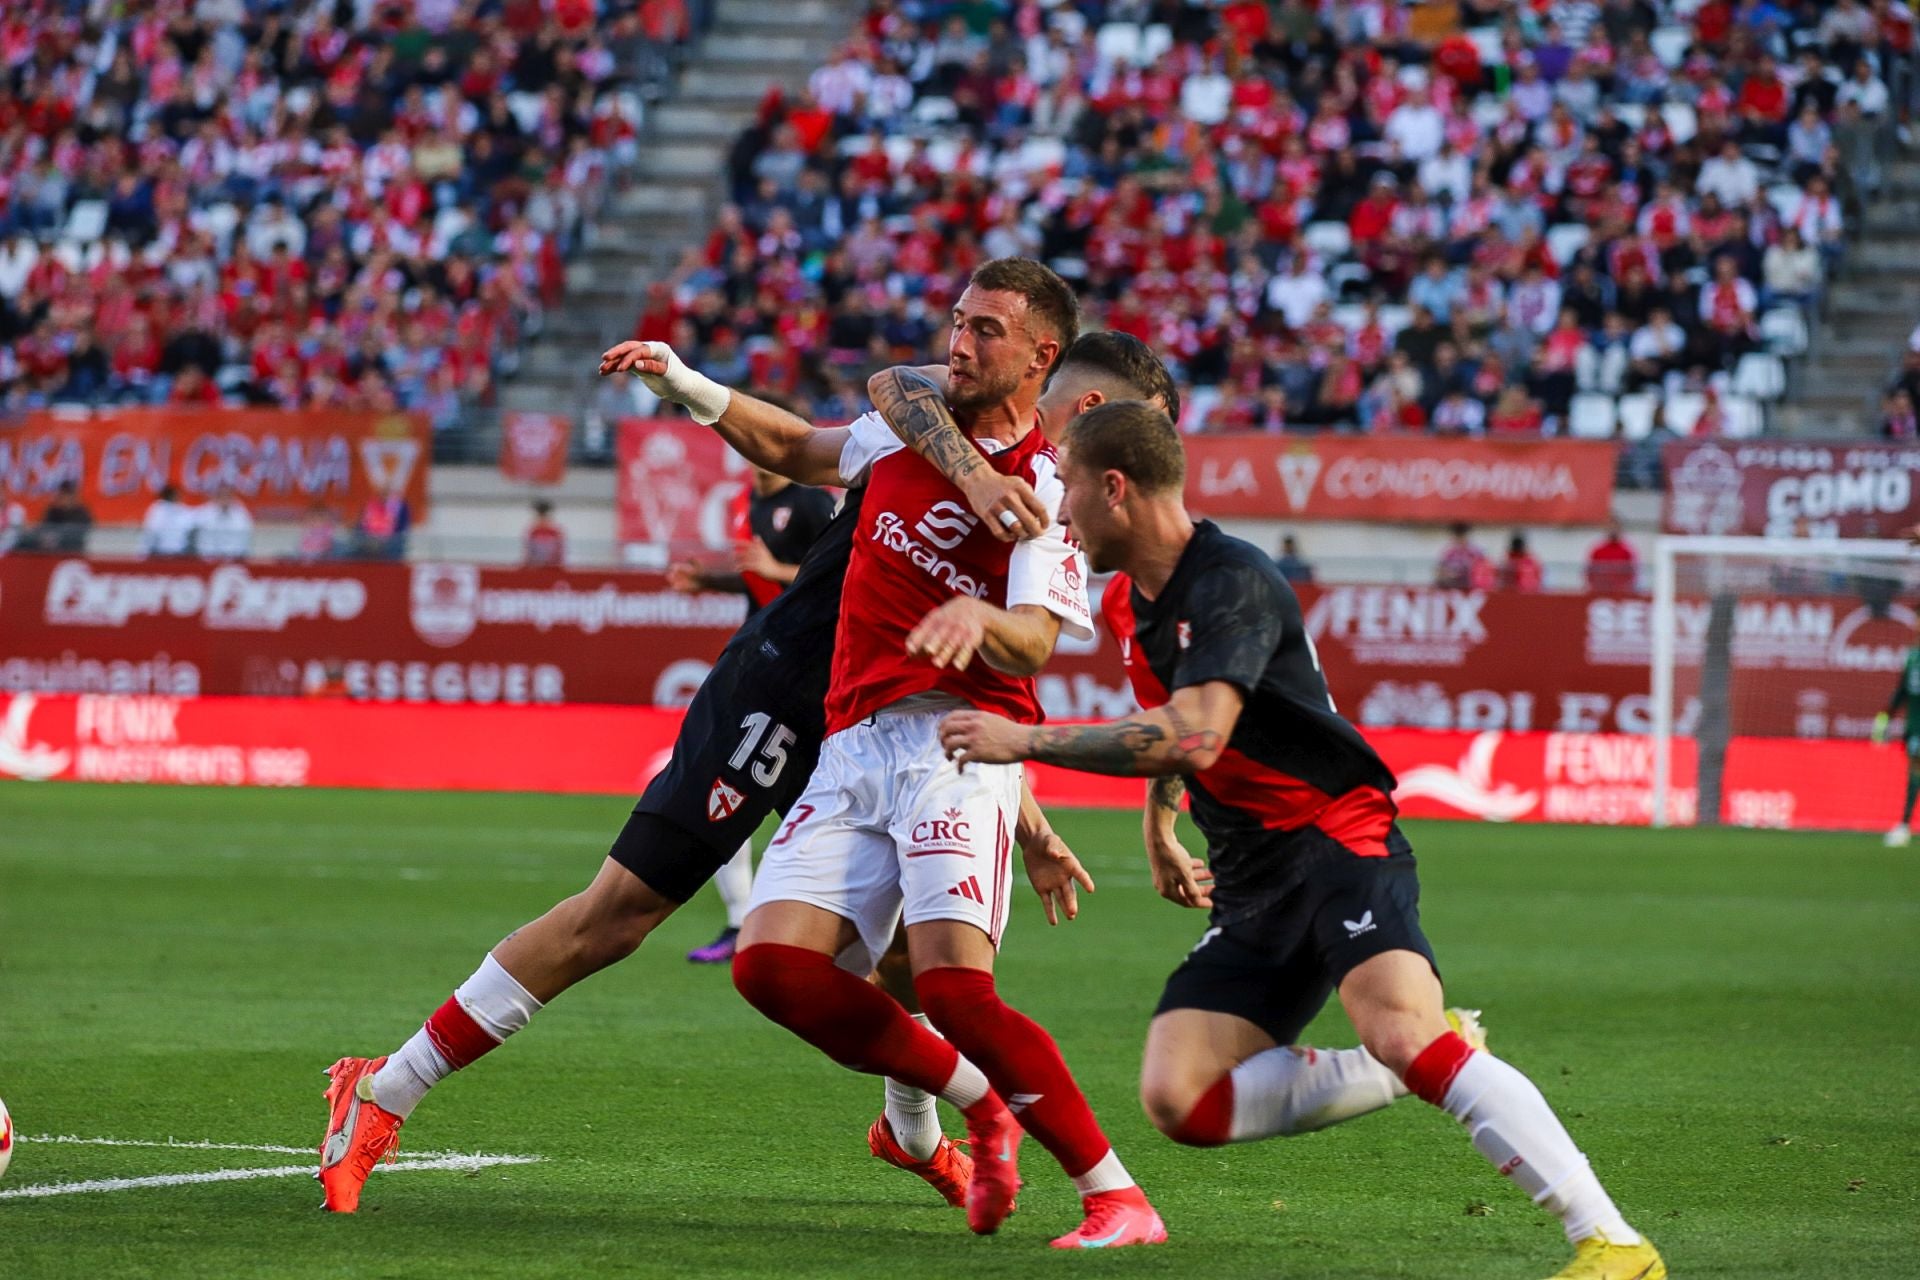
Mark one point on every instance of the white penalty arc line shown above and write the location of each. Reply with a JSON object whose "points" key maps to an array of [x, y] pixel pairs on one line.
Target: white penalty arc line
{"points": [[466, 1164]]}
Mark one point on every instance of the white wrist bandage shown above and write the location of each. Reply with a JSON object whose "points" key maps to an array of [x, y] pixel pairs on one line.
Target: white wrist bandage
{"points": [[704, 398]]}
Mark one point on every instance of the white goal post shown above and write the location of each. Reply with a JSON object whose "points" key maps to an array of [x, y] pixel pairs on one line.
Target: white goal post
{"points": [[1762, 572]]}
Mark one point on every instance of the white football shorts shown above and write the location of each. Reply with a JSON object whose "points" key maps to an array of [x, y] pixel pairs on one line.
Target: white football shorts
{"points": [[889, 826]]}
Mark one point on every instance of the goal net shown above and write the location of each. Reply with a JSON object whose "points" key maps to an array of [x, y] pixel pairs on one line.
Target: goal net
{"points": [[1770, 659]]}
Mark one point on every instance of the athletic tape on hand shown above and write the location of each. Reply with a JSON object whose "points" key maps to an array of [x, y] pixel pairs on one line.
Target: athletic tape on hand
{"points": [[1008, 519]]}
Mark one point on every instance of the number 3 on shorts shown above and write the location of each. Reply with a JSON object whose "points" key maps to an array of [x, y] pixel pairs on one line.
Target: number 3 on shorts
{"points": [[773, 756]]}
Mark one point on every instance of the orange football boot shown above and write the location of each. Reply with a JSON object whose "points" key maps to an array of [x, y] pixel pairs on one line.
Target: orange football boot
{"points": [[947, 1170], [360, 1133]]}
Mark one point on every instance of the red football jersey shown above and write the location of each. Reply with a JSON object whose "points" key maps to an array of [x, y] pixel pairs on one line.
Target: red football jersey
{"points": [[918, 546]]}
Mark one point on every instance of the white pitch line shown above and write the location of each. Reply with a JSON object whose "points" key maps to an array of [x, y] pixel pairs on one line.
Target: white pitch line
{"points": [[174, 1144], [461, 1163]]}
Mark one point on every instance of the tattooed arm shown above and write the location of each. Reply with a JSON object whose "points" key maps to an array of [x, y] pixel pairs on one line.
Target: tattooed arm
{"points": [[914, 403], [1186, 735]]}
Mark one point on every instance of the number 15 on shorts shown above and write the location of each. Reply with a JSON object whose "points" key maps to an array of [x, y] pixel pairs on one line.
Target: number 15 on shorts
{"points": [[765, 752]]}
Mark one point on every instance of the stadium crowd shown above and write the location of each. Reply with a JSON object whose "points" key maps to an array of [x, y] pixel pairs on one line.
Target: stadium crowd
{"points": [[1446, 216], [302, 203]]}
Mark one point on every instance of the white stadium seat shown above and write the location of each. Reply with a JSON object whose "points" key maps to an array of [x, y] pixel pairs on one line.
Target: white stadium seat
{"points": [[1331, 240], [1118, 42], [1636, 415], [1566, 239], [1760, 374], [1683, 410], [1670, 45], [1784, 330], [1591, 417], [87, 222], [1743, 415], [1682, 121]]}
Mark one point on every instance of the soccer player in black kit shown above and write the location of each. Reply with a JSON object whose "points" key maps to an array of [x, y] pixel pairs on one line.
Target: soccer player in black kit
{"points": [[775, 521], [1309, 882]]}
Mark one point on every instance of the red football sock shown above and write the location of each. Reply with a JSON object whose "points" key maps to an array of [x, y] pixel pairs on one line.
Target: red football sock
{"points": [[457, 1037], [1019, 1058], [851, 1021], [1431, 1072], [1210, 1123]]}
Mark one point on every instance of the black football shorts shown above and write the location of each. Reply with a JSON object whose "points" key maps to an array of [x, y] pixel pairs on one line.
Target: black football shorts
{"points": [[1276, 967], [741, 755]]}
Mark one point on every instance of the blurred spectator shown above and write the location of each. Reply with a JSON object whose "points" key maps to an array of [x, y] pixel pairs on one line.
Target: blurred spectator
{"points": [[1897, 420], [1521, 570], [1292, 566], [13, 526], [546, 541], [223, 528], [63, 525], [1463, 566], [384, 524], [1611, 565], [1792, 272], [319, 534], [169, 526]]}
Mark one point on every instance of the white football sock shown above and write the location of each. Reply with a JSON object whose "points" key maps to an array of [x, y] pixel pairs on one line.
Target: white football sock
{"points": [[966, 1086], [1108, 1175], [911, 1113], [492, 998], [410, 1071], [1286, 1091], [734, 880], [1514, 1128]]}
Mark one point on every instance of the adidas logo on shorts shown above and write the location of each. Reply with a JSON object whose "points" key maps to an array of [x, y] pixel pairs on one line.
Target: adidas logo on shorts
{"points": [[968, 889]]}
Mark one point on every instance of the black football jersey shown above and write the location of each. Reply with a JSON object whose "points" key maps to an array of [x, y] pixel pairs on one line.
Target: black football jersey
{"points": [[1296, 782], [791, 639]]}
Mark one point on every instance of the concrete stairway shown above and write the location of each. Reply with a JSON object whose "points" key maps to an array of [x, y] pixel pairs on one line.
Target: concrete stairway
{"points": [[678, 186], [1871, 308]]}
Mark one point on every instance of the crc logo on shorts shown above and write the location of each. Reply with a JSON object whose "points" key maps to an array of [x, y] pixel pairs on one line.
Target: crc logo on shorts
{"points": [[723, 801], [945, 834], [1185, 634], [445, 602]]}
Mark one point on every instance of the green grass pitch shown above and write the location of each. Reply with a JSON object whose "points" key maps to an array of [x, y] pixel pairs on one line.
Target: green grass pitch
{"points": [[1729, 1022]]}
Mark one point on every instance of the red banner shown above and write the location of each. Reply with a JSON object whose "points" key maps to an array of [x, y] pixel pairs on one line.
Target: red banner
{"points": [[278, 462], [675, 483], [1812, 667], [422, 632], [1421, 657], [533, 447], [1401, 478], [1830, 489], [1502, 777]]}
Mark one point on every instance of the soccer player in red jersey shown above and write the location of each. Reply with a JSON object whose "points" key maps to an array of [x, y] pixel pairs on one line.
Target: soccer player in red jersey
{"points": [[936, 614], [745, 749], [1310, 882]]}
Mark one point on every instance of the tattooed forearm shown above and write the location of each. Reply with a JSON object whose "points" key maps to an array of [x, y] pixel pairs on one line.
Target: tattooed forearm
{"points": [[1155, 742], [1126, 747], [1164, 792], [916, 408]]}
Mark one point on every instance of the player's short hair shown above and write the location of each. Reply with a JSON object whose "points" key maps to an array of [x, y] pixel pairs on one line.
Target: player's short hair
{"points": [[1133, 438], [1050, 300], [1126, 359]]}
